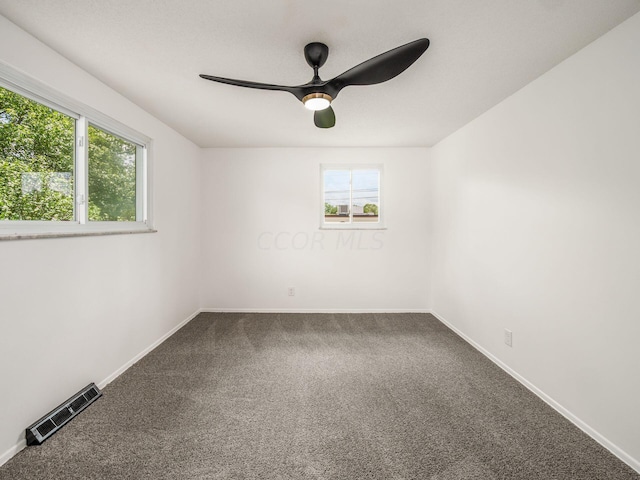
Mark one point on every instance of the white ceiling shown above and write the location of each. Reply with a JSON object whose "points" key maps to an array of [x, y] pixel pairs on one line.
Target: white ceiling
{"points": [[152, 51]]}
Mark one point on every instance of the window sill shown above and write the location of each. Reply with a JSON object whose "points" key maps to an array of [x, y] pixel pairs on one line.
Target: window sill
{"points": [[35, 236], [351, 227]]}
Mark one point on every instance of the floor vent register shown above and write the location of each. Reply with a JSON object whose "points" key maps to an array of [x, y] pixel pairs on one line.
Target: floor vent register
{"points": [[61, 415]]}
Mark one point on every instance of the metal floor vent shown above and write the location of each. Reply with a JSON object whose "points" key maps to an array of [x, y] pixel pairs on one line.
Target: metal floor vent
{"points": [[59, 416]]}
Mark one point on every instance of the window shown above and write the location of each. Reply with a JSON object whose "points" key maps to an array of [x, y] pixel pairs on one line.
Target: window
{"points": [[64, 167], [351, 196]]}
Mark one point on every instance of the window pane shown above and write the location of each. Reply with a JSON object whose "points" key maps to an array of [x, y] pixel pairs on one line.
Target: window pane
{"points": [[366, 195], [112, 177], [337, 195], [36, 160]]}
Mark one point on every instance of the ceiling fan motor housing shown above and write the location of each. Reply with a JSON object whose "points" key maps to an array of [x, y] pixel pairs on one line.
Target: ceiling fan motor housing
{"points": [[316, 54]]}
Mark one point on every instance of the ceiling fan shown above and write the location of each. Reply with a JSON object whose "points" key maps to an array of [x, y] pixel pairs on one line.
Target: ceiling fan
{"points": [[318, 94]]}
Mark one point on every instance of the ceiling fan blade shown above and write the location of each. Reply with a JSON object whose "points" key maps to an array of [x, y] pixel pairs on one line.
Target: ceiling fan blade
{"points": [[262, 86], [324, 118], [382, 67]]}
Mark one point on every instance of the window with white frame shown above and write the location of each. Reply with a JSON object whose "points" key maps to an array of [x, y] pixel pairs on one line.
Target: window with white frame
{"points": [[351, 196], [64, 167]]}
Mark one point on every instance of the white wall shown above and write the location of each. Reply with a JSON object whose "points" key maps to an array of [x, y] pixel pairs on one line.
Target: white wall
{"points": [[75, 310], [536, 228], [261, 233]]}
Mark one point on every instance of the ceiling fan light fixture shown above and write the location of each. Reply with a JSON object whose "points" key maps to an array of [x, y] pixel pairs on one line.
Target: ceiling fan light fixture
{"points": [[317, 95], [317, 101]]}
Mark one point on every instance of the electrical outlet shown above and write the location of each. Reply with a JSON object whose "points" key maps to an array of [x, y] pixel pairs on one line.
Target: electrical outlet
{"points": [[508, 337], [291, 291]]}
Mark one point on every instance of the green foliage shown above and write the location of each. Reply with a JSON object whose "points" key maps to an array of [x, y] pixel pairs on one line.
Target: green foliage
{"points": [[112, 178], [43, 204], [370, 208], [36, 160], [37, 166], [330, 209]]}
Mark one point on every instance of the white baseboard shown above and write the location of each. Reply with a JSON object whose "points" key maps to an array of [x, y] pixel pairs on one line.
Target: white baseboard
{"points": [[144, 352], [601, 439], [314, 310], [6, 456]]}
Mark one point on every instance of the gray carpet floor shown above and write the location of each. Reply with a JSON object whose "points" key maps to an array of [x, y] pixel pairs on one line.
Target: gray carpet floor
{"points": [[302, 396]]}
